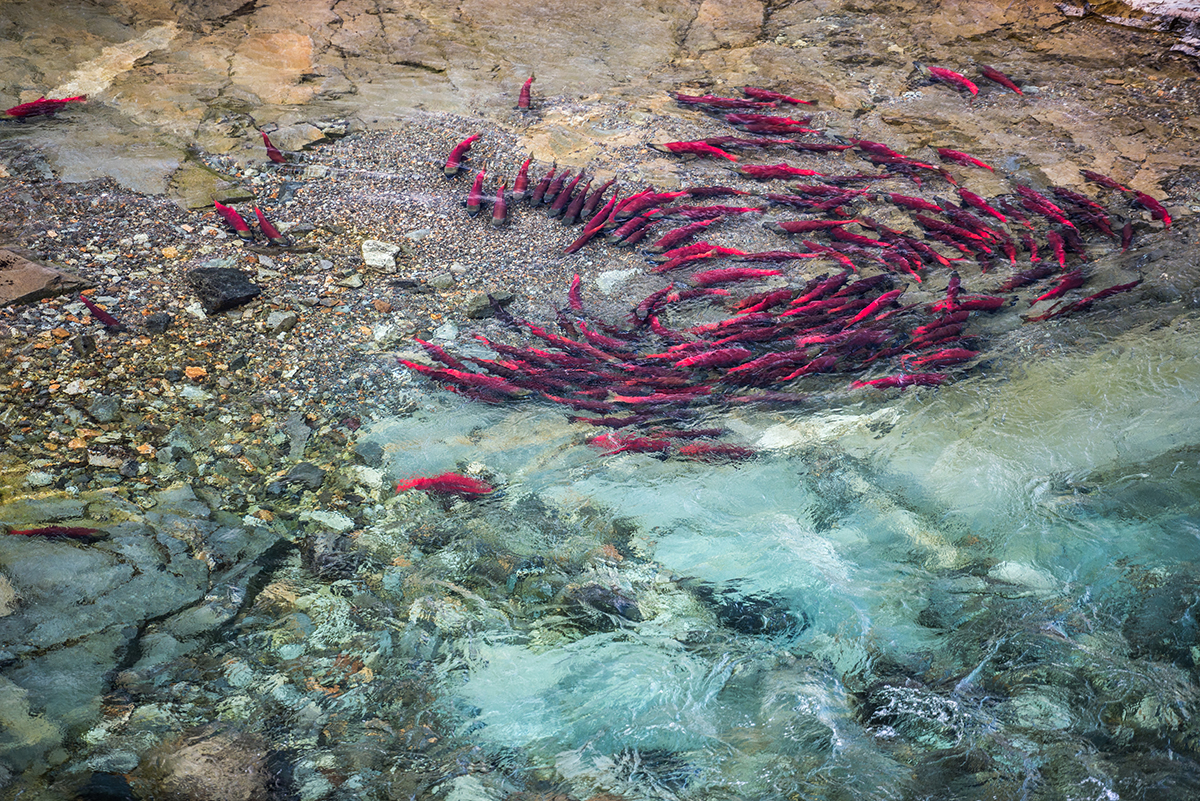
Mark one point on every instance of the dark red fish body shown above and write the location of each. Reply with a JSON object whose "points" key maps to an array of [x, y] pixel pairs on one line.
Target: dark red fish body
{"points": [[943, 75], [1126, 236], [574, 210], [234, 220], [766, 172], [729, 275], [679, 235], [975, 201], [539, 189], [942, 358], [875, 148], [880, 302], [475, 196], [41, 107], [555, 187], [635, 204], [1083, 303], [633, 224], [454, 162], [440, 353], [594, 226], [1072, 280], [269, 231], [804, 226], [521, 184], [701, 149], [914, 203], [999, 77], [1156, 209], [720, 357], [766, 94], [856, 239], [747, 118], [757, 142], [775, 256], [980, 303], [1056, 245], [1038, 203], [651, 303], [715, 452], [70, 532], [499, 207], [712, 101], [958, 157], [593, 200], [819, 147], [106, 319], [273, 153], [680, 261], [902, 381], [1026, 277], [1103, 180], [713, 191], [563, 197], [447, 484], [711, 212], [523, 97]]}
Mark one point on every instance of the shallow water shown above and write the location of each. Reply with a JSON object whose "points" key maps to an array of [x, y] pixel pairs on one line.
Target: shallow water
{"points": [[987, 590], [953, 585]]}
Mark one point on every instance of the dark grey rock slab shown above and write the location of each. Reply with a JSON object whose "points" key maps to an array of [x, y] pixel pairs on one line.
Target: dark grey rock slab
{"points": [[222, 288]]}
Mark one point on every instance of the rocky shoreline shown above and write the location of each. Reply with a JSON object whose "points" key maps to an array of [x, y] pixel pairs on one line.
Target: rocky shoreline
{"points": [[259, 598]]}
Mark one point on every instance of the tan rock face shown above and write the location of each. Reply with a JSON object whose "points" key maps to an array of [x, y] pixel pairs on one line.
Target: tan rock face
{"points": [[209, 72], [725, 23], [271, 65]]}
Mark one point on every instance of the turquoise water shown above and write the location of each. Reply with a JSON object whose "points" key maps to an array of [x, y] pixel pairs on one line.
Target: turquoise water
{"points": [[982, 590]]}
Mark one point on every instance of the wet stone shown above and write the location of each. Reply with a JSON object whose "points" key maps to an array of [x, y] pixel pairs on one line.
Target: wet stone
{"points": [[83, 345], [479, 305], [158, 323], [370, 452], [309, 475], [104, 408], [378, 254], [329, 555], [24, 280], [600, 605], [442, 281], [209, 764], [222, 288], [278, 322], [107, 787]]}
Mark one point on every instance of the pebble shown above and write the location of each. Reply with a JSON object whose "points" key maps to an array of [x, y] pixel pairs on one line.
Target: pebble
{"points": [[158, 323], [442, 281], [280, 321], [378, 254], [307, 474], [104, 408], [39, 478]]}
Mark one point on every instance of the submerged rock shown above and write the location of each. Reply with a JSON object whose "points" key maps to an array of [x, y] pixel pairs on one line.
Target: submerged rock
{"points": [[23, 280], [210, 765], [752, 613], [600, 605], [222, 288]]}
